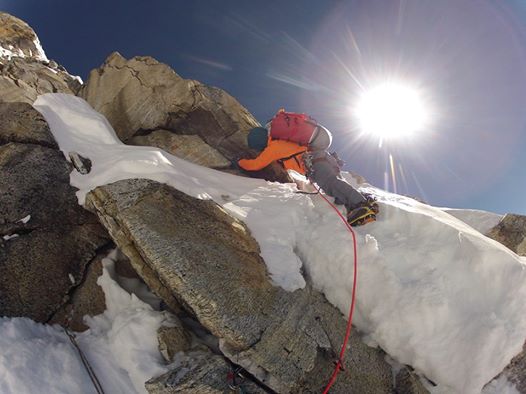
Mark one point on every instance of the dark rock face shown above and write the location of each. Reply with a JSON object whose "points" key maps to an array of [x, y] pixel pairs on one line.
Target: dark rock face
{"points": [[42, 259], [87, 298], [191, 252], [511, 232], [515, 372], [20, 122]]}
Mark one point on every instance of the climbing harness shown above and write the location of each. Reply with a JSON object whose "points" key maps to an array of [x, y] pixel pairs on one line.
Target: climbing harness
{"points": [[339, 363], [85, 362]]}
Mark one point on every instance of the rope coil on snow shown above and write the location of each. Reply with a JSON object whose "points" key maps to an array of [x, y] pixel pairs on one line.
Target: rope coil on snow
{"points": [[339, 363]]}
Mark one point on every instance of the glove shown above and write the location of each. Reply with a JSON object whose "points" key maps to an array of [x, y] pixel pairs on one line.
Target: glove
{"points": [[235, 164]]}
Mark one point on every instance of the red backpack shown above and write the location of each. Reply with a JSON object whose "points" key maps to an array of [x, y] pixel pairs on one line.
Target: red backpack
{"points": [[301, 129]]}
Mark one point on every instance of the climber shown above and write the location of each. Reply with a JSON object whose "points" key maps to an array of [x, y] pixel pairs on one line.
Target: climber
{"points": [[299, 143]]}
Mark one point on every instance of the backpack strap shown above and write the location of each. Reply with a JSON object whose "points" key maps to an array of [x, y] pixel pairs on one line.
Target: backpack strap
{"points": [[294, 156]]}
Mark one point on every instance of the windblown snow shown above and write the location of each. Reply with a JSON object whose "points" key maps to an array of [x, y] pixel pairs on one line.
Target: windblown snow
{"points": [[433, 292]]}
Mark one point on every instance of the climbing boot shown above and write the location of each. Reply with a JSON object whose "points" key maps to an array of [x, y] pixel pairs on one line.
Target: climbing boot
{"points": [[361, 215]]}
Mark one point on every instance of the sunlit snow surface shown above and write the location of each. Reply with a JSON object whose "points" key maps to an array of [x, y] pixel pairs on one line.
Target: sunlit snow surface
{"points": [[433, 292]]}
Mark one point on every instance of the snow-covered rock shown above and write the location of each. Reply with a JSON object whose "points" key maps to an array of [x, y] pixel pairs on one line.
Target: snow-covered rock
{"points": [[18, 39], [25, 71]]}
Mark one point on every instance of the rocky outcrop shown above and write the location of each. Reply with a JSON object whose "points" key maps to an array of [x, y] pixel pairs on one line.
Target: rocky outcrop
{"points": [[142, 96], [25, 72], [18, 38], [189, 147], [22, 80], [511, 232], [288, 341], [46, 238]]}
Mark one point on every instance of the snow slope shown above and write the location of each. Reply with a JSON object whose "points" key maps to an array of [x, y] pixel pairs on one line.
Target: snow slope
{"points": [[432, 291], [482, 221]]}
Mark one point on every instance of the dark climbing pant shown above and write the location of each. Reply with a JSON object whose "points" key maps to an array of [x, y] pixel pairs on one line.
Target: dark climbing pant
{"points": [[328, 179]]}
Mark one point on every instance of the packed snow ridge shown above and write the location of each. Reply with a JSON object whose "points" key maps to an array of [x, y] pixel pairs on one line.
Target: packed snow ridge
{"points": [[433, 292]]}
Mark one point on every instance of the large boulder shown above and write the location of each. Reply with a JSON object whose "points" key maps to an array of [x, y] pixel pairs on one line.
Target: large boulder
{"points": [[46, 239], [140, 96], [25, 71], [511, 232], [192, 252]]}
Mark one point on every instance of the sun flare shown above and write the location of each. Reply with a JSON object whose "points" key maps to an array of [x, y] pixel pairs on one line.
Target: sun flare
{"points": [[391, 110]]}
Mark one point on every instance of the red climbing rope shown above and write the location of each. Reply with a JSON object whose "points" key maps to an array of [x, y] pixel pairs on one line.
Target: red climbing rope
{"points": [[339, 363]]}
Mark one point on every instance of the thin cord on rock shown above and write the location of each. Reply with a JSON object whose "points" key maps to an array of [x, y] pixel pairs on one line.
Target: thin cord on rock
{"points": [[89, 369]]}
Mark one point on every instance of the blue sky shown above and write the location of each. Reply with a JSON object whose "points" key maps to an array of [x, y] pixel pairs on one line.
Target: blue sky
{"points": [[468, 57]]}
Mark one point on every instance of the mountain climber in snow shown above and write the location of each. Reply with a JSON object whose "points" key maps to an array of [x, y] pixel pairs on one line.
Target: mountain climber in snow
{"points": [[299, 143]]}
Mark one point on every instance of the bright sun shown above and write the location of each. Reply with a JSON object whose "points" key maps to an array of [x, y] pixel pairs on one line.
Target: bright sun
{"points": [[391, 110]]}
